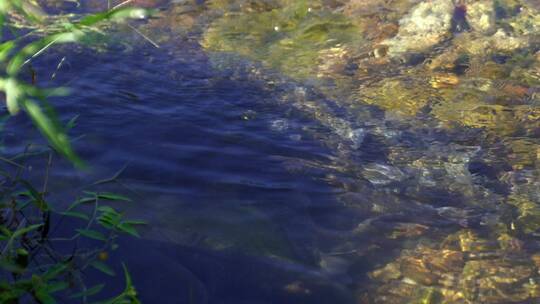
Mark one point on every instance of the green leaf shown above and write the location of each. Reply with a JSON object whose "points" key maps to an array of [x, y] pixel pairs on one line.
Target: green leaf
{"points": [[21, 232], [36, 196], [54, 271], [107, 210], [56, 287], [107, 223], [135, 222], [5, 49], [44, 297], [72, 122], [43, 94], [37, 47], [112, 197], [127, 228], [25, 230], [76, 214], [89, 292], [127, 276], [14, 95], [119, 14], [129, 295], [5, 231], [109, 218], [80, 201], [103, 268], [56, 137], [9, 266], [33, 11], [37, 281], [130, 290], [93, 234]]}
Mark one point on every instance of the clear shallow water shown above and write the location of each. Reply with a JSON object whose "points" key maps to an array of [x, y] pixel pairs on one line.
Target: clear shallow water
{"points": [[212, 163], [262, 183]]}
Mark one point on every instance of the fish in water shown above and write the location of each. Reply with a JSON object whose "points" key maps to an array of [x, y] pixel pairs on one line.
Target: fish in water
{"points": [[171, 273]]}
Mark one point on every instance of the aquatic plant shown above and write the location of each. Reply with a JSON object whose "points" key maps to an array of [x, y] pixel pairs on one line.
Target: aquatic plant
{"points": [[32, 269]]}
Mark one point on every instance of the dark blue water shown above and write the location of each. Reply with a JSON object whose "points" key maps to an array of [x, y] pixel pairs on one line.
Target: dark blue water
{"points": [[257, 188], [226, 176], [254, 189]]}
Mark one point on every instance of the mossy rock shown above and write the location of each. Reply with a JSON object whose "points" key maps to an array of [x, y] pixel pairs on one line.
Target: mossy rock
{"points": [[428, 296], [528, 219], [524, 153], [527, 22], [405, 97], [289, 39], [468, 106], [497, 281], [243, 5]]}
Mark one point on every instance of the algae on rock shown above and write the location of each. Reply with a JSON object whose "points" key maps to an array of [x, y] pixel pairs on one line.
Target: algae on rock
{"points": [[290, 38], [398, 95]]}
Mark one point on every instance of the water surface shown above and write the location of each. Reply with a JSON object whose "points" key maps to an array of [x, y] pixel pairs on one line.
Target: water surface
{"points": [[294, 152]]}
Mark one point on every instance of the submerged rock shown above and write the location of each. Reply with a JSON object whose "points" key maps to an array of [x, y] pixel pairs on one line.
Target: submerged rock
{"points": [[292, 38], [470, 105], [333, 61], [528, 219], [496, 281], [426, 25], [527, 22], [481, 16], [401, 96], [380, 174], [463, 269]]}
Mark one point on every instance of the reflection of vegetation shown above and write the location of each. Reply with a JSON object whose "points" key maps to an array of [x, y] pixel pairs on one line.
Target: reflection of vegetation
{"points": [[33, 269], [289, 38]]}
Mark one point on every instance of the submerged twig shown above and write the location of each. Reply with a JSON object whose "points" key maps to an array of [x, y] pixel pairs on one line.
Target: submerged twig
{"points": [[144, 36], [114, 178], [122, 4], [47, 173], [9, 161], [60, 64], [43, 49]]}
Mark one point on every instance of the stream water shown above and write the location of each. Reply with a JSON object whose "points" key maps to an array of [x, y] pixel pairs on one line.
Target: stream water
{"points": [[313, 151]]}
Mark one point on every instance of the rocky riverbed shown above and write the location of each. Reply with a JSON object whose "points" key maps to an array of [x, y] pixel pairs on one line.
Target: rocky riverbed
{"points": [[432, 109]]}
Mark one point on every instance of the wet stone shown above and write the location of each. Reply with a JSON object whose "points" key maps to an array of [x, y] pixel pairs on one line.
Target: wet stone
{"points": [[426, 25], [401, 96], [481, 16], [426, 274], [380, 174]]}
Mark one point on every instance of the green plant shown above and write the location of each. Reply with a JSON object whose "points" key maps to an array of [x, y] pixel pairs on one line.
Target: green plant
{"points": [[31, 267], [28, 225], [17, 52]]}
